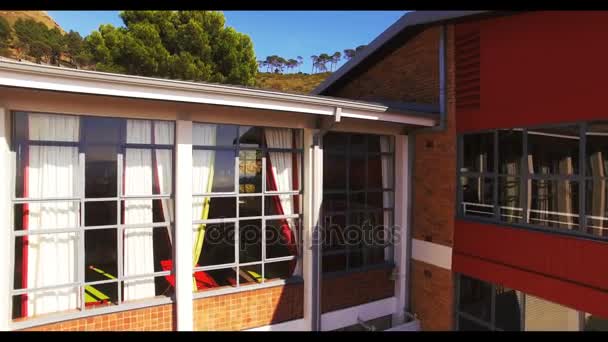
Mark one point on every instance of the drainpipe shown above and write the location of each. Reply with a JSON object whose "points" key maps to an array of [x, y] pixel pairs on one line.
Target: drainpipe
{"points": [[441, 127], [317, 197]]}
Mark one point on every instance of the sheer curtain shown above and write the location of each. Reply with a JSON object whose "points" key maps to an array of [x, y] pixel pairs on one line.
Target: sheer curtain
{"points": [[202, 180], [52, 171], [387, 182], [281, 176], [163, 135], [138, 242]]}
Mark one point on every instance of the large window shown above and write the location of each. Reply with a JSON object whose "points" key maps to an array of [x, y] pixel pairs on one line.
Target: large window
{"points": [[247, 204], [547, 177], [93, 212], [358, 197], [484, 306]]}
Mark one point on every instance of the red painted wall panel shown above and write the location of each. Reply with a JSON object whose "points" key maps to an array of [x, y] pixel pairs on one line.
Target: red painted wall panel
{"points": [[541, 67], [562, 257], [566, 293]]}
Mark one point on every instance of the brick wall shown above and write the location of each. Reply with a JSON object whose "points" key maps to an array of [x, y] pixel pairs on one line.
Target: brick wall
{"points": [[339, 292], [156, 318], [236, 311], [409, 74], [250, 309], [432, 293]]}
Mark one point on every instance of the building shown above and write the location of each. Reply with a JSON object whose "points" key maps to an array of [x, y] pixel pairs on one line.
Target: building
{"points": [[509, 192], [449, 177]]}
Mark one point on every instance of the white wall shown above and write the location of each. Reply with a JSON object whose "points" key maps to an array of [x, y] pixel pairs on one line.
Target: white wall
{"points": [[5, 224]]}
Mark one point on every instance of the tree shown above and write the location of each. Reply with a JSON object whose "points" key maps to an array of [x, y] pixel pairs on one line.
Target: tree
{"points": [[314, 58], [5, 33], [192, 45], [300, 62], [74, 44], [39, 49], [335, 58], [349, 53], [322, 62]]}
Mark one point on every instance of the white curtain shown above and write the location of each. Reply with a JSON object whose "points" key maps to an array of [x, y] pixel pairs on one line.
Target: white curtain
{"points": [[52, 172], [163, 135], [138, 242], [202, 179], [387, 182], [282, 172]]}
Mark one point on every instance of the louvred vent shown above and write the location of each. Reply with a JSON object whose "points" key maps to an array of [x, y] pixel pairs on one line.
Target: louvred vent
{"points": [[467, 59]]}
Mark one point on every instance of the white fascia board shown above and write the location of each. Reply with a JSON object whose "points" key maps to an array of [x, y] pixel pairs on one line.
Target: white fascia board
{"points": [[14, 74]]}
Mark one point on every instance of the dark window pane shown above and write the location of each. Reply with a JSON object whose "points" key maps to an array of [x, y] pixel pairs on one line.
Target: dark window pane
{"points": [[380, 171], [334, 202], [250, 171], [100, 171], [468, 325], [597, 150], [475, 298], [21, 126], [218, 243], [250, 237], [223, 171], [282, 238], [278, 270], [553, 150], [510, 149], [100, 213], [333, 232], [355, 258], [477, 196], [214, 279], [357, 170], [251, 136], [508, 309], [358, 143], [554, 203], [250, 206], [334, 171], [597, 208], [101, 255], [219, 207], [509, 199], [104, 131], [334, 263], [357, 201], [478, 152], [595, 323], [250, 275], [334, 141]]}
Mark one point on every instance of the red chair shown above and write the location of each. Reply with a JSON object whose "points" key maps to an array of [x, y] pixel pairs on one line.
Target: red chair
{"points": [[203, 280]]}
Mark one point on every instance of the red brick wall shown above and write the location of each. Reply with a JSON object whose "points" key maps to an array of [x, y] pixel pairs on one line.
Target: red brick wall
{"points": [[151, 318], [236, 311], [409, 74], [339, 292], [432, 294], [250, 309]]}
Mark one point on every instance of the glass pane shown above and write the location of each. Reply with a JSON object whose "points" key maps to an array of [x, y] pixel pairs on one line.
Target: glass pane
{"points": [[101, 252], [477, 196], [468, 325], [45, 260], [478, 152], [214, 244], [285, 175], [100, 171], [250, 172], [554, 203], [100, 213], [225, 135], [358, 143], [334, 172], [279, 270], [141, 211], [101, 295], [356, 258], [222, 177], [213, 279], [334, 263], [250, 206], [282, 238], [45, 302], [251, 136], [597, 150], [219, 207], [146, 287], [508, 309], [334, 141], [379, 200], [250, 241], [597, 208], [102, 131], [333, 233], [250, 275], [334, 202], [510, 150], [20, 126], [475, 298], [282, 204], [356, 176], [554, 150], [509, 199], [543, 315], [356, 201]]}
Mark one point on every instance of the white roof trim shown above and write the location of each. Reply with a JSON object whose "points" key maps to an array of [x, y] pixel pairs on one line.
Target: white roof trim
{"points": [[41, 77]]}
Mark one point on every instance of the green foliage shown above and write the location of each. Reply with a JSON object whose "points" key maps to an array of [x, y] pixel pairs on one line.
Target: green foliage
{"points": [[294, 83], [35, 39], [191, 45], [5, 33]]}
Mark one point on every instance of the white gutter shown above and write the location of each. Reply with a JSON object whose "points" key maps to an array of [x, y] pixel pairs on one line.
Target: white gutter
{"points": [[34, 76]]}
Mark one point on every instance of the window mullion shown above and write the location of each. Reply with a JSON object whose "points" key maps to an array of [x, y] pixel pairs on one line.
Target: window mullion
{"points": [[119, 230], [81, 233], [495, 178], [524, 179], [582, 212]]}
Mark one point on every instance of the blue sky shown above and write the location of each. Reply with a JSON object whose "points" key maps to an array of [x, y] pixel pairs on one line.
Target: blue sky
{"points": [[285, 33]]}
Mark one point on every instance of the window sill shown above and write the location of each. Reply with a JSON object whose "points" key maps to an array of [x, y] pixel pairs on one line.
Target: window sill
{"points": [[338, 274], [529, 227], [244, 288]]}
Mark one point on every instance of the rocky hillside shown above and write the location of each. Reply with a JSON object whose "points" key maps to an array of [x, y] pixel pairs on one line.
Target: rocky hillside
{"points": [[40, 16]]}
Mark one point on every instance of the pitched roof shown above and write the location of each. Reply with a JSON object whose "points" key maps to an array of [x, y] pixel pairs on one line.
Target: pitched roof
{"points": [[411, 21]]}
